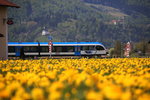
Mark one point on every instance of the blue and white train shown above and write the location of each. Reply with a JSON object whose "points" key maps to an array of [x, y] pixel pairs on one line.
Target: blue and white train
{"points": [[32, 49]]}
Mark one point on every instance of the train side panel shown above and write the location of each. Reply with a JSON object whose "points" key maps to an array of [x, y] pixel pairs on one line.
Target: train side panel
{"points": [[59, 49]]}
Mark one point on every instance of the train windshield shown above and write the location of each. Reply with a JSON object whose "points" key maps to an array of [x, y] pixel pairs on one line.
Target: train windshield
{"points": [[99, 48]]}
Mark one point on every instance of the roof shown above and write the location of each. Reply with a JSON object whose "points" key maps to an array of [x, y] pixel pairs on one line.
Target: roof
{"points": [[8, 4], [55, 43]]}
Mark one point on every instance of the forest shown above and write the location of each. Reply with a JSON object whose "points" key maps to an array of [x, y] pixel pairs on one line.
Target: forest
{"points": [[80, 20]]}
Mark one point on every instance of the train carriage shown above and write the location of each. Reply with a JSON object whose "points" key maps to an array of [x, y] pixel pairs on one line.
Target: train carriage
{"points": [[58, 49]]}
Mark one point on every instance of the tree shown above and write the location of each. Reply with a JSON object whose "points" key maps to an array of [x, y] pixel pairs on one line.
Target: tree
{"points": [[117, 49]]}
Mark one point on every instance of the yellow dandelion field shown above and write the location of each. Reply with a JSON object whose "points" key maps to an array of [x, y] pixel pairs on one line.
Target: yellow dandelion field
{"points": [[75, 79]]}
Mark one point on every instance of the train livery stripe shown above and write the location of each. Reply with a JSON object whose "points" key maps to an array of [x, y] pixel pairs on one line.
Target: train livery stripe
{"points": [[54, 43]]}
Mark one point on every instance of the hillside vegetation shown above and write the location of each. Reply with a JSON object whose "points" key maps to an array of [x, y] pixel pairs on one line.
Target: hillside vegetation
{"points": [[80, 20]]}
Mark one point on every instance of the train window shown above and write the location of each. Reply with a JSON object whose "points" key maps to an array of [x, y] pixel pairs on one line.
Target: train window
{"points": [[30, 49], [67, 49], [11, 49], [78, 48], [88, 48], [57, 49], [91, 47], [63, 49], [54, 49], [85, 48], [70, 49], [26, 49], [99, 48], [44, 49], [34, 49]]}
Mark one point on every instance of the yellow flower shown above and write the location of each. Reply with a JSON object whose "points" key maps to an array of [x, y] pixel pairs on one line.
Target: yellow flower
{"points": [[37, 94], [144, 97], [138, 91], [126, 95], [112, 92], [94, 79], [44, 82], [26, 96], [4, 93], [16, 98], [2, 85], [80, 78], [67, 95], [89, 82], [56, 86], [92, 95], [51, 74], [55, 95]]}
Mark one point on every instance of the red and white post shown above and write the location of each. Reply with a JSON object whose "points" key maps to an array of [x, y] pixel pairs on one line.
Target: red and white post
{"points": [[50, 46]]}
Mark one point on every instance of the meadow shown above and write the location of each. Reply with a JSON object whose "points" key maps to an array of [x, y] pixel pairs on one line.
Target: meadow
{"points": [[75, 79]]}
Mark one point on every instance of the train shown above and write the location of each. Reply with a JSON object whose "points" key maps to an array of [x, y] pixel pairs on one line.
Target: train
{"points": [[35, 49]]}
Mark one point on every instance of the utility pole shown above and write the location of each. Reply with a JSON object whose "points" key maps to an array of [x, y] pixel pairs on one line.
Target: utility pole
{"points": [[50, 43]]}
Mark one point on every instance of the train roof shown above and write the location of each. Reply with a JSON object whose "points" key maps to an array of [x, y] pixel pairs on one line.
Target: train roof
{"points": [[55, 43]]}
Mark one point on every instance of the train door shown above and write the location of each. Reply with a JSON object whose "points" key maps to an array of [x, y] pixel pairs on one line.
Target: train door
{"points": [[17, 50], [77, 50]]}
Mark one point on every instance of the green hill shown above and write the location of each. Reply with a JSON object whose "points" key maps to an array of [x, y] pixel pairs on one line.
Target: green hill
{"points": [[76, 20]]}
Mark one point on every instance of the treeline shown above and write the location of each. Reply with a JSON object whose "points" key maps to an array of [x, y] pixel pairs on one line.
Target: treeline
{"points": [[128, 6], [73, 20], [123, 2]]}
